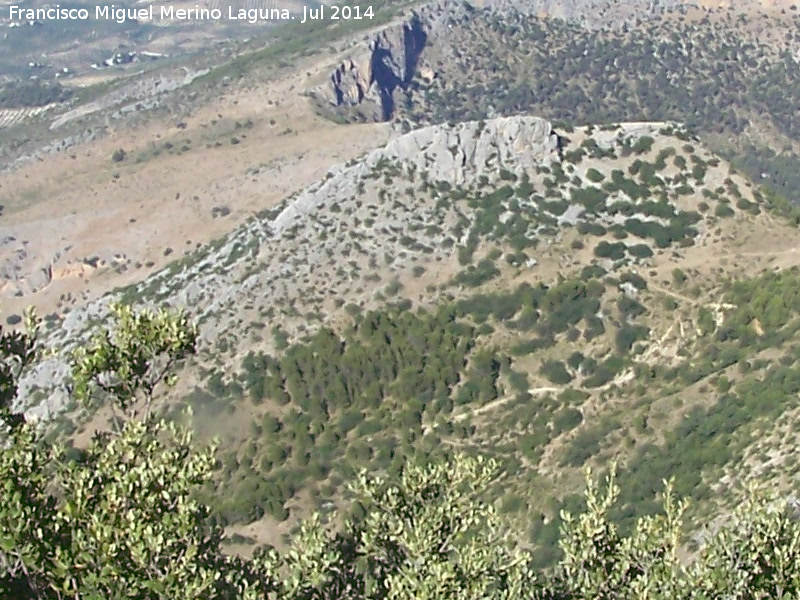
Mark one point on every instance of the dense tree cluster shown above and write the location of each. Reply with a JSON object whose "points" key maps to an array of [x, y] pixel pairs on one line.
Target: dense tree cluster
{"points": [[392, 385]]}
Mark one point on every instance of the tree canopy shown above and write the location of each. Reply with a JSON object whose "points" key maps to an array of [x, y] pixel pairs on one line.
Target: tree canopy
{"points": [[122, 519]]}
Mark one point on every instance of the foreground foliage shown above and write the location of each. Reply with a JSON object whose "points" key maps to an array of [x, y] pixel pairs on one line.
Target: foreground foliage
{"points": [[128, 361], [122, 519], [427, 535], [121, 522], [18, 349]]}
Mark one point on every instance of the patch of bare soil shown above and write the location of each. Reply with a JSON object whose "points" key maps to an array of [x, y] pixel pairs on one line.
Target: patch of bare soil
{"points": [[75, 226]]}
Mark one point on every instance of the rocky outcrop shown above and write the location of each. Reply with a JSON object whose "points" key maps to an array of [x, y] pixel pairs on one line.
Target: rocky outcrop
{"points": [[463, 153], [374, 77], [458, 155], [394, 60], [371, 78], [350, 83]]}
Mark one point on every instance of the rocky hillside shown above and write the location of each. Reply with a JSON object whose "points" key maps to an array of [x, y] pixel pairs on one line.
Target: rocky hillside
{"points": [[374, 78], [727, 71], [552, 297], [369, 82]]}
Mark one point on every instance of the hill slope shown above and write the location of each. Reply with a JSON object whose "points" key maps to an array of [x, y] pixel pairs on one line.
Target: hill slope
{"points": [[728, 72], [553, 298]]}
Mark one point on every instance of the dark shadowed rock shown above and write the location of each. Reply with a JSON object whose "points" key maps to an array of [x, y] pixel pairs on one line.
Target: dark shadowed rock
{"points": [[374, 78]]}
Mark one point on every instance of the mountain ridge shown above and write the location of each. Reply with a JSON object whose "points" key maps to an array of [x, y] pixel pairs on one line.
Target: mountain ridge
{"points": [[457, 155]]}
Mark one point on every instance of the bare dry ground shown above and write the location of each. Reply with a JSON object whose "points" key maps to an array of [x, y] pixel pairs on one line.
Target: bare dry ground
{"points": [[77, 225]]}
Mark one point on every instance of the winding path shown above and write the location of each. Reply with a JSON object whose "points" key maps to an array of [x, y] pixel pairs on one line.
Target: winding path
{"points": [[500, 401]]}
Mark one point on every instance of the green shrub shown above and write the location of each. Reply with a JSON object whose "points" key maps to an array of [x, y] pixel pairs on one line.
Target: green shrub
{"points": [[640, 251], [594, 175], [555, 372], [614, 251], [723, 210]]}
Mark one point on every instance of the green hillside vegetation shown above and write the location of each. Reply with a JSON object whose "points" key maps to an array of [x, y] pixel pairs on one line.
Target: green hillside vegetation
{"points": [[392, 386], [120, 519], [400, 380], [714, 75], [607, 350]]}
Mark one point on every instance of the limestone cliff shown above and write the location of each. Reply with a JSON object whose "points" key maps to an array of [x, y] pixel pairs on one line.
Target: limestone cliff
{"points": [[374, 77]]}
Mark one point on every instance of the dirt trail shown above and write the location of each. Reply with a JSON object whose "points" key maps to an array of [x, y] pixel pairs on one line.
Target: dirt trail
{"points": [[500, 402], [658, 288]]}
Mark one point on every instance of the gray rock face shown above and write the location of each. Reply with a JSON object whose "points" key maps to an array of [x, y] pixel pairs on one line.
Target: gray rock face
{"points": [[374, 77], [461, 154], [350, 83], [371, 78]]}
